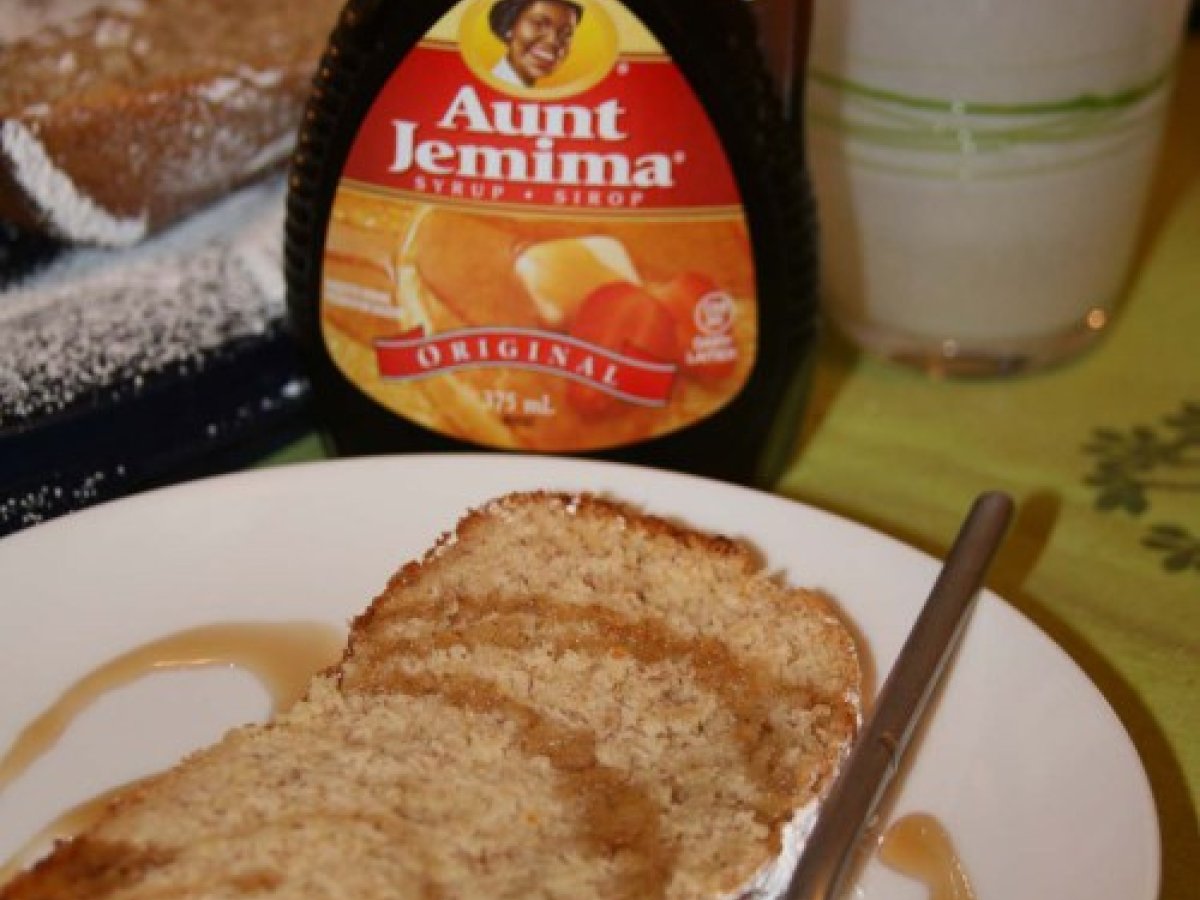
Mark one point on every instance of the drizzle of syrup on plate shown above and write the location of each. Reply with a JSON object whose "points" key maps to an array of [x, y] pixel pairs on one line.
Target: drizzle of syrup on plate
{"points": [[283, 656], [918, 845]]}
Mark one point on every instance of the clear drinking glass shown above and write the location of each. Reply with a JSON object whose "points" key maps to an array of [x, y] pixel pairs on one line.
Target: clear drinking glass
{"points": [[981, 170]]}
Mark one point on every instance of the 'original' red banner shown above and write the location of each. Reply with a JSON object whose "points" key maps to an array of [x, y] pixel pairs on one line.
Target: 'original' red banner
{"points": [[416, 355]]}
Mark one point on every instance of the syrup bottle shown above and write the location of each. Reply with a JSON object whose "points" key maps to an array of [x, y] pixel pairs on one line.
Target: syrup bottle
{"points": [[574, 227]]}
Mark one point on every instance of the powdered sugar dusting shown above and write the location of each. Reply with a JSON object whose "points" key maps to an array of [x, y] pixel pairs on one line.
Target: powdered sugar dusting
{"points": [[113, 33], [220, 90], [271, 153], [99, 318], [23, 18], [772, 880], [260, 78], [70, 214]]}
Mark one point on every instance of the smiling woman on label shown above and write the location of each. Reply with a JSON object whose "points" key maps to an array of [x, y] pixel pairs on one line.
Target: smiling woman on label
{"points": [[538, 35]]}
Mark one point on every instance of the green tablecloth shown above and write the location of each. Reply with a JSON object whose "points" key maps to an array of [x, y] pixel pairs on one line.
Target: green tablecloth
{"points": [[1103, 456]]}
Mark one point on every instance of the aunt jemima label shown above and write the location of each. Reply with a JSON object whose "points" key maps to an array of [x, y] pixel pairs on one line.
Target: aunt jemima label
{"points": [[536, 241]]}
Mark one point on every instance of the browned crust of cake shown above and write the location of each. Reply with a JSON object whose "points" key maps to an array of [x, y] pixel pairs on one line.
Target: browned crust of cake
{"points": [[86, 868], [590, 503]]}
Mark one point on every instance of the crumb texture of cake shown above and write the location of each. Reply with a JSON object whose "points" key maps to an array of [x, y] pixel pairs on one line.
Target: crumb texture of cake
{"points": [[565, 698], [127, 115]]}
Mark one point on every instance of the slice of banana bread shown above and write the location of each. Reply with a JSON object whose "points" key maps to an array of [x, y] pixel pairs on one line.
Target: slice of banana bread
{"points": [[563, 698]]}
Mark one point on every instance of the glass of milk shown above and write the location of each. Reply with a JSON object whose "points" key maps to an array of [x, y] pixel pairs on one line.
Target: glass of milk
{"points": [[981, 168]]}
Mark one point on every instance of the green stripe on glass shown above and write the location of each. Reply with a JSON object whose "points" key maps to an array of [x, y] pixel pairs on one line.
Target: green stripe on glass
{"points": [[964, 138], [1082, 103]]}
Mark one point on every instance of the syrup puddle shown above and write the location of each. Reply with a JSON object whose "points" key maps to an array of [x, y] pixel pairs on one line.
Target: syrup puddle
{"points": [[917, 845], [282, 656]]}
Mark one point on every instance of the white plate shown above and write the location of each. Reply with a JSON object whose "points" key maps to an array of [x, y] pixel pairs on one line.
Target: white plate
{"points": [[1024, 761]]}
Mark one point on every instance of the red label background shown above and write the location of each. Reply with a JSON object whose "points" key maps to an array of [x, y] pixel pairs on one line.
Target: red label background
{"points": [[662, 115]]}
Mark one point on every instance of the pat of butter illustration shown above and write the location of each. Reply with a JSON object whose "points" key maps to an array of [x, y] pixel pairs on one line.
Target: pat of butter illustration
{"points": [[560, 274]]}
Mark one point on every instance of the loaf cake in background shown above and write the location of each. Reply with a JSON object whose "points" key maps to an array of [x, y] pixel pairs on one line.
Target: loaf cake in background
{"points": [[565, 697], [119, 117]]}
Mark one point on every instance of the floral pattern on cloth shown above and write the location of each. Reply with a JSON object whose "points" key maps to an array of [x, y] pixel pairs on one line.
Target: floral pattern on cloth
{"points": [[1136, 465]]}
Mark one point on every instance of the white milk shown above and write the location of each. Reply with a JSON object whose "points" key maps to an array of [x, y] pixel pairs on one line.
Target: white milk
{"points": [[981, 169]]}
